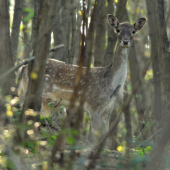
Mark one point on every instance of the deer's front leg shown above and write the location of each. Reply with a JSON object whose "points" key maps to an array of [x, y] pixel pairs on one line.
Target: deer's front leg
{"points": [[97, 127]]}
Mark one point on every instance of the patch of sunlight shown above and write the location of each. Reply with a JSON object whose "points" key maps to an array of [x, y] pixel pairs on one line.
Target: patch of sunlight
{"points": [[116, 1], [8, 106], [30, 132], [120, 149], [34, 75], [30, 112], [92, 65], [2, 160], [43, 143], [45, 165], [80, 13], [149, 75], [9, 113]]}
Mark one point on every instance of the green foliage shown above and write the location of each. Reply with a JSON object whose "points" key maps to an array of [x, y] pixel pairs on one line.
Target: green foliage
{"points": [[70, 140], [30, 145], [10, 164], [30, 14], [70, 136], [143, 151], [43, 119]]}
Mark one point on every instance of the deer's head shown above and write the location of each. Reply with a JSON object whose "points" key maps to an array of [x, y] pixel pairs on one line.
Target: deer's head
{"points": [[125, 31]]}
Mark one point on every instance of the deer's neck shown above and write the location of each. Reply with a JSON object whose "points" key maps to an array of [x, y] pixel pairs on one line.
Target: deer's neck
{"points": [[117, 71], [120, 59]]}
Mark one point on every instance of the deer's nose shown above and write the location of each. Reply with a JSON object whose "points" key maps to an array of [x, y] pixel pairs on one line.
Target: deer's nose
{"points": [[125, 42]]}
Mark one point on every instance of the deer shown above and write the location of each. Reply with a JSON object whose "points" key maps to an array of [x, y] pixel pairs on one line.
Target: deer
{"points": [[105, 83]]}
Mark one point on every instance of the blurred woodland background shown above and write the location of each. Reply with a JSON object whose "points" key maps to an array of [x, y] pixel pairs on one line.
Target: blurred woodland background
{"points": [[62, 29]]}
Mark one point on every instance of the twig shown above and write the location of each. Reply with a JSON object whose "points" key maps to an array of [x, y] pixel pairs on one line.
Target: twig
{"points": [[56, 105], [56, 47], [16, 67]]}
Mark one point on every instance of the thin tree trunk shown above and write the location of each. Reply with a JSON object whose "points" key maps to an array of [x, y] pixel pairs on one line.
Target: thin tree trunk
{"points": [[71, 51], [140, 97], [154, 36], [78, 33], [108, 57], [46, 20], [35, 23], [16, 26], [92, 27], [58, 38], [100, 38], [113, 135], [27, 45], [121, 10], [66, 23], [6, 58], [164, 48]]}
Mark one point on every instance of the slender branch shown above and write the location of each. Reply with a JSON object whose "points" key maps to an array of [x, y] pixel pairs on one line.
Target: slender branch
{"points": [[16, 67]]}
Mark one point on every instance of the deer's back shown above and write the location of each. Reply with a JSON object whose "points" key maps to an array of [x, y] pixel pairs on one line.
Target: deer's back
{"points": [[60, 81]]}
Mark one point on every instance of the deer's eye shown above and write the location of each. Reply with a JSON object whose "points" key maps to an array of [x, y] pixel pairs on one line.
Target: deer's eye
{"points": [[133, 32], [118, 30]]}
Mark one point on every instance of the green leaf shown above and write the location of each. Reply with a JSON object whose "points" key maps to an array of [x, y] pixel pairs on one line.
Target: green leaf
{"points": [[30, 14], [70, 140]]}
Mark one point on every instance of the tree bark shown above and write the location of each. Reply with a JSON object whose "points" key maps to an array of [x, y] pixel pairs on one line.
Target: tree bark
{"points": [[71, 51], [16, 26], [58, 38], [46, 21], [78, 33], [165, 51], [35, 23], [99, 49], [66, 23], [92, 27], [135, 75], [27, 45], [154, 37], [6, 58], [108, 57], [113, 135]]}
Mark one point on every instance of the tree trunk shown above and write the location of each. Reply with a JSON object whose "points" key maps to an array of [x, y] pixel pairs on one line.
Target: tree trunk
{"points": [[100, 38], [154, 37], [78, 33], [135, 75], [27, 45], [58, 38], [35, 23], [92, 27], [6, 58], [113, 135], [16, 26], [164, 48], [66, 23], [108, 57], [46, 18]]}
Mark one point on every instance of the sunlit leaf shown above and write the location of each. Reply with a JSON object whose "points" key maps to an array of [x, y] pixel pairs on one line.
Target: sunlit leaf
{"points": [[120, 149], [34, 75]]}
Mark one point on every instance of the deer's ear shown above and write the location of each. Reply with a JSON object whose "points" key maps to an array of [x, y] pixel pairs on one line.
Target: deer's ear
{"points": [[113, 21], [139, 24]]}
